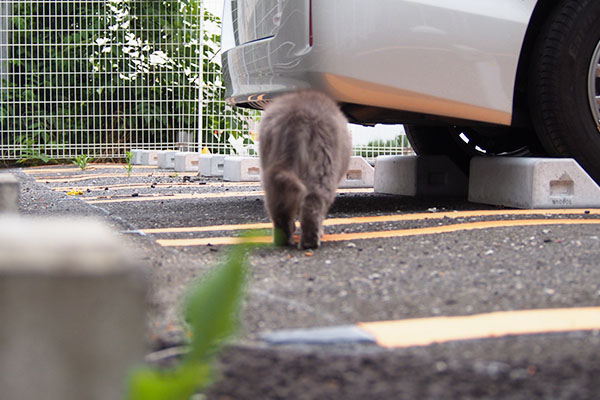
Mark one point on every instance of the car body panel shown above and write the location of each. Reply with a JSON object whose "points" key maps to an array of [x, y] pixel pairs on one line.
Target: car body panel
{"points": [[438, 57]]}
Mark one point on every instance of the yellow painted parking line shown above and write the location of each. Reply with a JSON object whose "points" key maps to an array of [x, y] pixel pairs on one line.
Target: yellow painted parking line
{"points": [[186, 196], [210, 228], [123, 174], [124, 186], [463, 214], [452, 228], [383, 218], [426, 331], [90, 167], [174, 196], [215, 241], [468, 226], [390, 233]]}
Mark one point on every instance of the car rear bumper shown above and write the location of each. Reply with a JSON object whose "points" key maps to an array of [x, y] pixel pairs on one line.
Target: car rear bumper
{"points": [[359, 55]]}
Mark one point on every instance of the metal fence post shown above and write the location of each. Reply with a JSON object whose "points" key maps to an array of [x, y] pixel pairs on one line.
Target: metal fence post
{"points": [[201, 77]]}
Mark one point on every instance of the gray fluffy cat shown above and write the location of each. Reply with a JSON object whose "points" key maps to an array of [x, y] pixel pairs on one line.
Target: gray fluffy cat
{"points": [[305, 149]]}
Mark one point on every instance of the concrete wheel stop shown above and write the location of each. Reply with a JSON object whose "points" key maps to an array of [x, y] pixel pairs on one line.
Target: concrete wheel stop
{"points": [[241, 169], [166, 159], [360, 174], [186, 161], [419, 176], [527, 182], [211, 165], [518, 182]]}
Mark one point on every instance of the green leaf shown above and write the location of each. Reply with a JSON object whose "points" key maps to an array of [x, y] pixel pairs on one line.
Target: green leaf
{"points": [[211, 307], [150, 384]]}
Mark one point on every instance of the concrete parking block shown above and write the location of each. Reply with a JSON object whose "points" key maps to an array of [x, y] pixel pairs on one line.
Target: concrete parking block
{"points": [[241, 169], [211, 164], [360, 174], [149, 157], [238, 169], [137, 156], [72, 310], [9, 193], [166, 159], [527, 182], [419, 176], [186, 161]]}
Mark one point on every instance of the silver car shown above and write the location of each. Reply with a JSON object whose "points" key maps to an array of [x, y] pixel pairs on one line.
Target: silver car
{"points": [[466, 77]]}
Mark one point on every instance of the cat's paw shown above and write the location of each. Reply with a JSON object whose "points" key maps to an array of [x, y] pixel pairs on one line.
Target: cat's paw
{"points": [[310, 242]]}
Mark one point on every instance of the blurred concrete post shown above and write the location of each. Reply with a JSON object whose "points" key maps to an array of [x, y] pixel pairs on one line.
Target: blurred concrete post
{"points": [[72, 310], [9, 193]]}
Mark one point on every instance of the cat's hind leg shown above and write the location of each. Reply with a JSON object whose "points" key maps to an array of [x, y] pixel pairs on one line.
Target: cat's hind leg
{"points": [[312, 215], [283, 194]]}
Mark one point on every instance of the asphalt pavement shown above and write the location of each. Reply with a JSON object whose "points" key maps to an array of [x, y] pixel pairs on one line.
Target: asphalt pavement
{"points": [[384, 258]]}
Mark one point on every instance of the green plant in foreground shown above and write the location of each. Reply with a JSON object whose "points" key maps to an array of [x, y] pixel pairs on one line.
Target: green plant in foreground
{"points": [[129, 161], [82, 160], [211, 311]]}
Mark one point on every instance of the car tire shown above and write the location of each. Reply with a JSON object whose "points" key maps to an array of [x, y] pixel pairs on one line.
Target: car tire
{"points": [[565, 82], [460, 144]]}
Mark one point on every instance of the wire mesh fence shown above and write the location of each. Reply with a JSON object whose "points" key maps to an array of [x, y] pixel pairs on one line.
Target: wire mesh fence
{"points": [[100, 77], [398, 145]]}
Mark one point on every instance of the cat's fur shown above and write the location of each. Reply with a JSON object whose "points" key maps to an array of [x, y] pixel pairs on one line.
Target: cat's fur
{"points": [[305, 149]]}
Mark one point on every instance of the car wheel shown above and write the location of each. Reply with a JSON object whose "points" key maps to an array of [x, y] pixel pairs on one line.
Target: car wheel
{"points": [[564, 90], [463, 143]]}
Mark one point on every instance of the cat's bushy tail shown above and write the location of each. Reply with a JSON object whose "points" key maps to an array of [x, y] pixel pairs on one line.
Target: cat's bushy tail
{"points": [[291, 187]]}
